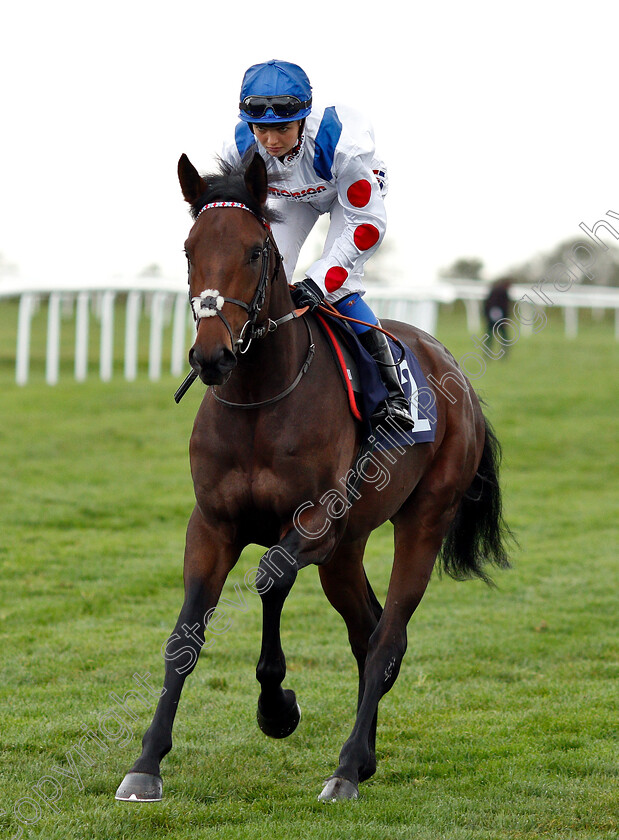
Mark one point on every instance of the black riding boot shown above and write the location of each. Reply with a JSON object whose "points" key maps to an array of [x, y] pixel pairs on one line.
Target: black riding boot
{"points": [[396, 405]]}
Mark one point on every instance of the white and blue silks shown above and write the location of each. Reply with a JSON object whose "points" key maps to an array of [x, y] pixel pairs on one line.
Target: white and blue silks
{"points": [[333, 169]]}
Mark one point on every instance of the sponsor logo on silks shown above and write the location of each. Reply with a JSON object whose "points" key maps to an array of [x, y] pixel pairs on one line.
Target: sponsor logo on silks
{"points": [[297, 195], [381, 177]]}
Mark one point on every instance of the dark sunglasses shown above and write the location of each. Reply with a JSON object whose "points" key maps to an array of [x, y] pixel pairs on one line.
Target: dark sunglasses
{"points": [[282, 106]]}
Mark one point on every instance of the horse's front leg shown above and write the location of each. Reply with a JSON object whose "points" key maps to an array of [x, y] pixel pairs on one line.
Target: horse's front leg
{"points": [[278, 710], [209, 556]]}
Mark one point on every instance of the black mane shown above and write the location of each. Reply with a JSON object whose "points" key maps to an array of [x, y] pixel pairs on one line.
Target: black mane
{"points": [[228, 184]]}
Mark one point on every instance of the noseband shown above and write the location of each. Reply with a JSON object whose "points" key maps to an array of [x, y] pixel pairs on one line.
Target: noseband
{"points": [[210, 303]]}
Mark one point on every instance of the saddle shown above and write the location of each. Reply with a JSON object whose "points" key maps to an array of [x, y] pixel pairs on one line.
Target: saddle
{"points": [[365, 390]]}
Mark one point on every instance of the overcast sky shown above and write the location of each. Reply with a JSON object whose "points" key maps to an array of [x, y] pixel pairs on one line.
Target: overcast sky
{"points": [[498, 121]]}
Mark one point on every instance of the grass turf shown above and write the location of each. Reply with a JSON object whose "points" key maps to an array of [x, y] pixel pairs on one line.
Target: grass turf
{"points": [[502, 724]]}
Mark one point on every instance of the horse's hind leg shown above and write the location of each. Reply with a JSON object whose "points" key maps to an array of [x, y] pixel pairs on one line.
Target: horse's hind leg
{"points": [[416, 546], [208, 560], [347, 589]]}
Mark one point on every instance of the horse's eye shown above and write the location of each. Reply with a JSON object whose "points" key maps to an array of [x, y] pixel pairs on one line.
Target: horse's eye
{"points": [[256, 254]]}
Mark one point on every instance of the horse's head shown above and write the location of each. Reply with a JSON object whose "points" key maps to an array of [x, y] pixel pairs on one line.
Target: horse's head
{"points": [[231, 258]]}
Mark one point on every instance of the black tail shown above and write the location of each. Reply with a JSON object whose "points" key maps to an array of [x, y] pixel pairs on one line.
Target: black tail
{"points": [[478, 533]]}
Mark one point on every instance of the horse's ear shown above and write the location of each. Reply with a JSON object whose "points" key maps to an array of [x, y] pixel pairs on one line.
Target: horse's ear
{"points": [[192, 185], [256, 179]]}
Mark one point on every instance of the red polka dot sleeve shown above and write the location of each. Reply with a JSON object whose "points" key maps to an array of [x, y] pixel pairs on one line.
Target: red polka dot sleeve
{"points": [[363, 219]]}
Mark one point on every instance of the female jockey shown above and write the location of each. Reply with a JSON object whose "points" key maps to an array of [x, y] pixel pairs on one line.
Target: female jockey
{"points": [[324, 162]]}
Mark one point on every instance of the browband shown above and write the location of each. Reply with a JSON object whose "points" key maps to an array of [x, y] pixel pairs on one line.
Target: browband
{"points": [[217, 204]]}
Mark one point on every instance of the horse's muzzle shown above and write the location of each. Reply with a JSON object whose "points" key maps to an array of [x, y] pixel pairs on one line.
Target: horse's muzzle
{"points": [[214, 369]]}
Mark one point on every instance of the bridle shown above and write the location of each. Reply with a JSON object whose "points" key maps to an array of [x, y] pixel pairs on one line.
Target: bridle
{"points": [[210, 303]]}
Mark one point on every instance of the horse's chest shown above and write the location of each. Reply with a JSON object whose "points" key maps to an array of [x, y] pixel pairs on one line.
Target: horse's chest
{"points": [[257, 475], [270, 490]]}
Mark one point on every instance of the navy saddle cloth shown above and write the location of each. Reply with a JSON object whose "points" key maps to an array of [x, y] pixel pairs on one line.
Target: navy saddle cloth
{"points": [[371, 392]]}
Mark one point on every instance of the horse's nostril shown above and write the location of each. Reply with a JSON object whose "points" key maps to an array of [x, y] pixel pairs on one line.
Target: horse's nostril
{"points": [[228, 359], [194, 360]]}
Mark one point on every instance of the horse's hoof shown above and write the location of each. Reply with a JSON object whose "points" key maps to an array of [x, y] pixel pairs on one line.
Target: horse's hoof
{"points": [[140, 787], [283, 724], [338, 789]]}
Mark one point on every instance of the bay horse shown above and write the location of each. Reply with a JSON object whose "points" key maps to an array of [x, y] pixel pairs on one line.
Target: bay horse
{"points": [[272, 437]]}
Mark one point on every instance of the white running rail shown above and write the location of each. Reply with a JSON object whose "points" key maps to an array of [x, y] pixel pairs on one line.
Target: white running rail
{"points": [[168, 300]]}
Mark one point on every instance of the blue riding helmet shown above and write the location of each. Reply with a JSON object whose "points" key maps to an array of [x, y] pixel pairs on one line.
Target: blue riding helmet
{"points": [[275, 92]]}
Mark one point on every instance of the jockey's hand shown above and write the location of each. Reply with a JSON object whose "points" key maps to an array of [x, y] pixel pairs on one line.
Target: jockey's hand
{"points": [[307, 293]]}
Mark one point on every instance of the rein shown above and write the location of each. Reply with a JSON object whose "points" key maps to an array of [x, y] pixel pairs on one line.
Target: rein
{"points": [[308, 360], [329, 309]]}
